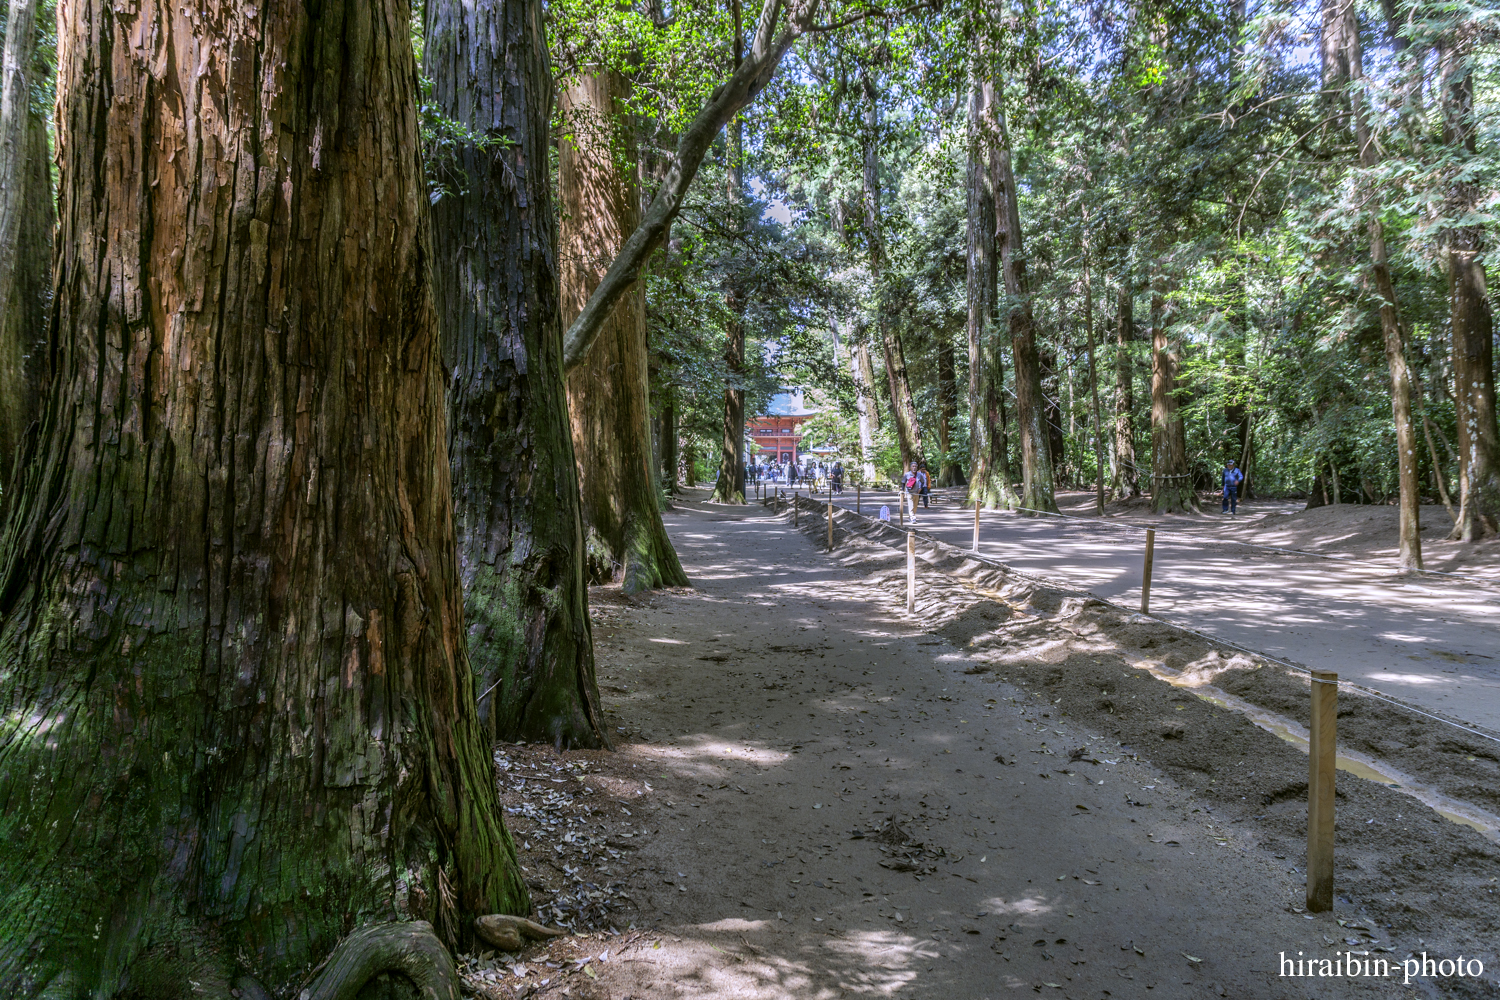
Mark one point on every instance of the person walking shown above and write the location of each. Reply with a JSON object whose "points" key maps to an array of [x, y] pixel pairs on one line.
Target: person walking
{"points": [[1232, 479], [909, 487], [791, 476], [838, 477], [924, 486]]}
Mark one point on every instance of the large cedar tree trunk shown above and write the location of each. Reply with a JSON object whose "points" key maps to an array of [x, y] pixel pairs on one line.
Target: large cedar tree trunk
{"points": [[1037, 485], [903, 403], [989, 480], [26, 219], [238, 714], [515, 489], [1171, 483], [608, 393], [1472, 322]]}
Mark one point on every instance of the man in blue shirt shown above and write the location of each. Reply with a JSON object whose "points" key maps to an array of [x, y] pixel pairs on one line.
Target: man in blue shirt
{"points": [[1232, 479]]}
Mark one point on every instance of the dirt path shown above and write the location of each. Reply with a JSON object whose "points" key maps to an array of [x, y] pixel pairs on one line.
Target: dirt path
{"points": [[1430, 641], [778, 718]]}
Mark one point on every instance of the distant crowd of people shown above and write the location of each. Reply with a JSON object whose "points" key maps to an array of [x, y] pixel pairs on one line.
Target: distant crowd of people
{"points": [[812, 474]]}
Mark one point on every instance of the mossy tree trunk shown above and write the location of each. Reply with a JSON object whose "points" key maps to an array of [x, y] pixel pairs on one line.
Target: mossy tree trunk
{"points": [[515, 488], [1171, 483], [26, 220], [989, 480], [238, 714], [608, 401]]}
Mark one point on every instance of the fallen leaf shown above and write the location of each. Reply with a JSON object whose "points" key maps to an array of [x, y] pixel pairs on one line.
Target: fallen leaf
{"points": [[1191, 958]]}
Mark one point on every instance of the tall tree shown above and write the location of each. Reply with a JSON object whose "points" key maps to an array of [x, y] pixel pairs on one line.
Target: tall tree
{"points": [[1471, 320], [608, 393], [730, 487], [1037, 486], [1342, 20], [26, 221], [238, 717], [903, 403], [989, 479], [1171, 482], [515, 490], [1125, 482]]}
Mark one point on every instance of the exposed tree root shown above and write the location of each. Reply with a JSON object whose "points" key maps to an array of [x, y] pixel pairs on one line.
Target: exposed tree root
{"points": [[510, 933], [411, 949]]}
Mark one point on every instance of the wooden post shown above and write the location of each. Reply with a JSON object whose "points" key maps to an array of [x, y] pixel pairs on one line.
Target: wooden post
{"points": [[794, 508], [857, 488], [830, 522], [1321, 768], [900, 496], [911, 572], [976, 526], [1146, 575]]}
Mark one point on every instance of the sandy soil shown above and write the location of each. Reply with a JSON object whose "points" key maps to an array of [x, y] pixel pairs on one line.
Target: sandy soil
{"points": [[1356, 531], [815, 795]]}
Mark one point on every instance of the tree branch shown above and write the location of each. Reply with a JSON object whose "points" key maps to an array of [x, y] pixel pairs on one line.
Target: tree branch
{"points": [[748, 79]]}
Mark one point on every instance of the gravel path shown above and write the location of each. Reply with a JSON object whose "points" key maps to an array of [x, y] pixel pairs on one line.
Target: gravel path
{"points": [[777, 719]]}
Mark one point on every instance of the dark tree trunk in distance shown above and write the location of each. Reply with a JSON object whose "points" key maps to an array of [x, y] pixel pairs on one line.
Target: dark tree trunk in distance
{"points": [[229, 584], [669, 448], [608, 392], [1171, 484], [903, 403], [26, 220], [948, 472], [1126, 482], [1037, 489], [730, 486], [515, 490]]}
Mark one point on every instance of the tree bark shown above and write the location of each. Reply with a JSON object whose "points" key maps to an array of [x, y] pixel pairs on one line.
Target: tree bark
{"points": [[1410, 531], [26, 220], [1037, 489], [865, 405], [1171, 483], [989, 483], [1126, 483], [238, 716], [730, 487], [608, 394], [515, 491], [1472, 323], [903, 403]]}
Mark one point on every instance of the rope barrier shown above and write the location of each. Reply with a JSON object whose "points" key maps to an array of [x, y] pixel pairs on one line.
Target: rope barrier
{"points": [[1208, 637]]}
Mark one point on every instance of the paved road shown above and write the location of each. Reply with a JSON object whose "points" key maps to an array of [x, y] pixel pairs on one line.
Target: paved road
{"points": [[1428, 641]]}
